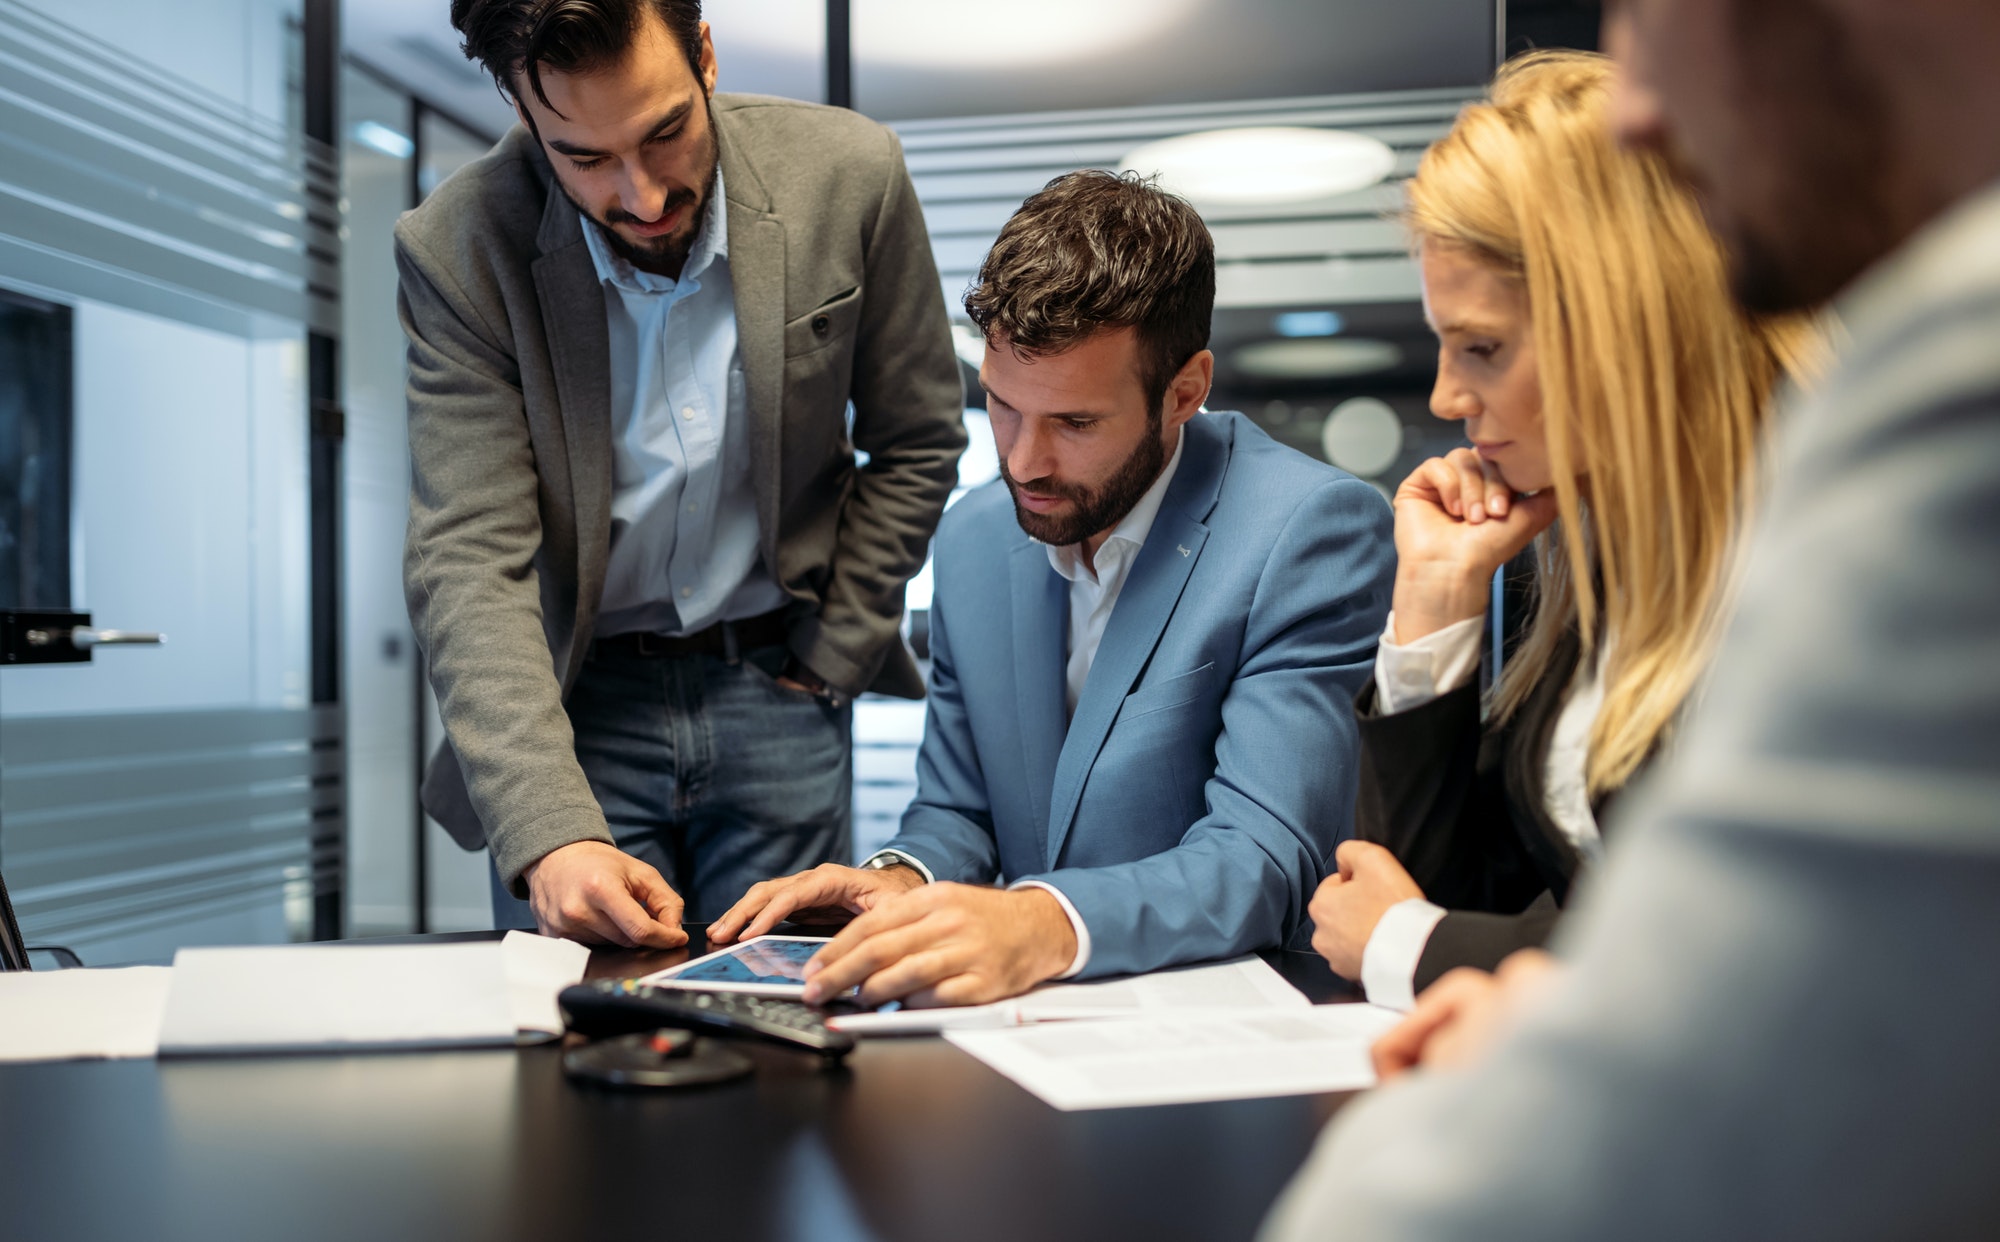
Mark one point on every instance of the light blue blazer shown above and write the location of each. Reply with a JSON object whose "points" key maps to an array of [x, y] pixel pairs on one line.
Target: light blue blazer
{"points": [[1194, 802]]}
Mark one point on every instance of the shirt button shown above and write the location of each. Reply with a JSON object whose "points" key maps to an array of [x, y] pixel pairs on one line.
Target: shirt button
{"points": [[693, 508], [687, 411], [687, 592]]}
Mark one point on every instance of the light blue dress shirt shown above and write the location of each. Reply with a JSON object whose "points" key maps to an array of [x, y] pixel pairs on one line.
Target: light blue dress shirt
{"points": [[684, 537]]}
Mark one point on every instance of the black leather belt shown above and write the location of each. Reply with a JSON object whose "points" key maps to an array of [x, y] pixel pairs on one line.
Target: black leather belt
{"points": [[724, 638]]}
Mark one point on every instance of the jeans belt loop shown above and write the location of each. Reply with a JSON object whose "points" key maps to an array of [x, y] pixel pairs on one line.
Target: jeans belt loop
{"points": [[730, 653]]}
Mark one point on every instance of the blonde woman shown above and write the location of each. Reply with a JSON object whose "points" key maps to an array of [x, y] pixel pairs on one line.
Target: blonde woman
{"points": [[1615, 399]]}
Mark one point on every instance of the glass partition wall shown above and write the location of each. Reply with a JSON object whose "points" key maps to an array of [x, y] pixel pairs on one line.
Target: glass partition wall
{"points": [[169, 237]]}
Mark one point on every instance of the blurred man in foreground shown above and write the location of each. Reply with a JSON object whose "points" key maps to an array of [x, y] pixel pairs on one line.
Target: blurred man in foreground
{"points": [[1776, 1014]]}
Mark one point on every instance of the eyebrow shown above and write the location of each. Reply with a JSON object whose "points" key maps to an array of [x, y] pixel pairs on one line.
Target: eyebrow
{"points": [[674, 116], [1466, 327], [985, 388]]}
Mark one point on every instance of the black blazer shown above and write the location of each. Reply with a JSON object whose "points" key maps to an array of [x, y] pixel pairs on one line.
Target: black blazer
{"points": [[1464, 809]]}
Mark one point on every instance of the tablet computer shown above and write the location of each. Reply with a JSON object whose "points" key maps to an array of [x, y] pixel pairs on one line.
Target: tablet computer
{"points": [[768, 965]]}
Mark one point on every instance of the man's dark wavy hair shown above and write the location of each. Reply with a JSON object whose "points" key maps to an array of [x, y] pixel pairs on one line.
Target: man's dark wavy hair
{"points": [[1095, 250], [516, 39]]}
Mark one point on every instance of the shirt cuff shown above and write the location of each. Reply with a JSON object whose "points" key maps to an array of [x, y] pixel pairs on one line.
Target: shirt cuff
{"points": [[1411, 674], [1082, 957], [1389, 962], [884, 858]]}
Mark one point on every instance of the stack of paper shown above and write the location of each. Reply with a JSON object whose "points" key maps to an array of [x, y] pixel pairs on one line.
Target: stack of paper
{"points": [[352, 997], [1188, 1057], [72, 1015], [1246, 983], [1228, 1031], [293, 998]]}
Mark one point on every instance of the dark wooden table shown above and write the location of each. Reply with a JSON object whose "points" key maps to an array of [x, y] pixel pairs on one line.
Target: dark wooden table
{"points": [[912, 1139]]}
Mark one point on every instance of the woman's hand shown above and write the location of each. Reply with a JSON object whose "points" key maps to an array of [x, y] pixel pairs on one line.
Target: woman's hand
{"points": [[1456, 522], [1349, 903]]}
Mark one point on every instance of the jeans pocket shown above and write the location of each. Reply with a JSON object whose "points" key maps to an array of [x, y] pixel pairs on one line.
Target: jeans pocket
{"points": [[761, 671]]}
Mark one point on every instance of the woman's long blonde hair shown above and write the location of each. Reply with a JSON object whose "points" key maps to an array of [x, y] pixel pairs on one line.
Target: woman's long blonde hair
{"points": [[1655, 387]]}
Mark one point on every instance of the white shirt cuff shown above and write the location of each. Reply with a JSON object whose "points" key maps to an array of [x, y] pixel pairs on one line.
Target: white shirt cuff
{"points": [[1411, 674], [1389, 962], [1082, 957], [875, 863]]}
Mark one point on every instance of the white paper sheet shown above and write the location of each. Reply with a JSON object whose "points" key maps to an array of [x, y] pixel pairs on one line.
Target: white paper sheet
{"points": [[1186, 1058], [539, 967], [350, 997], [1245, 983], [77, 1015]]}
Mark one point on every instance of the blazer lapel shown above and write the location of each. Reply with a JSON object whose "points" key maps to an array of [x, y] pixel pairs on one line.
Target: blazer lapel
{"points": [[757, 275], [1533, 728], [1145, 605], [1041, 637], [572, 305]]}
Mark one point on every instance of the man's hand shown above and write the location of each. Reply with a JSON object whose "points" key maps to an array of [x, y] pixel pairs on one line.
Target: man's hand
{"points": [[1349, 903], [598, 894], [1458, 1018], [946, 944], [825, 888]]}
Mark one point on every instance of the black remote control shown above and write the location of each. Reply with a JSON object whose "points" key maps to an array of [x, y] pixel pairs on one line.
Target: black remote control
{"points": [[622, 1006]]}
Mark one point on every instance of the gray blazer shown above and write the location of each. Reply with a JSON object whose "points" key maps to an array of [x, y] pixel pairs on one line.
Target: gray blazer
{"points": [[1781, 1010], [837, 299]]}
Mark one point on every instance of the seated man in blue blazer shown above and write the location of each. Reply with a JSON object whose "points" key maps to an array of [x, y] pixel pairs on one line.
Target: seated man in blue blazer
{"points": [[1146, 640]]}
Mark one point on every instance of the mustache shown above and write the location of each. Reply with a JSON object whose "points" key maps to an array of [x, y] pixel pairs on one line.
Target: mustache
{"points": [[674, 202], [1044, 488]]}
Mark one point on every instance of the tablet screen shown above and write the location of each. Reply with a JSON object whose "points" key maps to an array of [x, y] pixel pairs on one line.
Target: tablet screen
{"points": [[773, 964]]}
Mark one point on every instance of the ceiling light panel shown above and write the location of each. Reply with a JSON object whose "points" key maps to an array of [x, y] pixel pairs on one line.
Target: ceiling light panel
{"points": [[1330, 358], [1265, 165]]}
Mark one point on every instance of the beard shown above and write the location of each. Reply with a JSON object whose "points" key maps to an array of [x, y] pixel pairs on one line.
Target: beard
{"points": [[663, 256], [1818, 165], [1095, 509]]}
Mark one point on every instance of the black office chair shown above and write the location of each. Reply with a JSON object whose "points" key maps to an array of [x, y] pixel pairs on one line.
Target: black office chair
{"points": [[14, 950]]}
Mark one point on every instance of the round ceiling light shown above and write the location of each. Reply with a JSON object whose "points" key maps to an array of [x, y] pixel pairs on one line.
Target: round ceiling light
{"points": [[1363, 436], [1311, 359], [1278, 164]]}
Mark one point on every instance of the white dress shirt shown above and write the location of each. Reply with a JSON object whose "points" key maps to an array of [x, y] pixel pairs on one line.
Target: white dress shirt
{"points": [[684, 535], [1411, 674], [1093, 593]]}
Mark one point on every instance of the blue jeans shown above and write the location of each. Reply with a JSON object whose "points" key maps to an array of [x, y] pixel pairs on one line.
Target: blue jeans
{"points": [[711, 772]]}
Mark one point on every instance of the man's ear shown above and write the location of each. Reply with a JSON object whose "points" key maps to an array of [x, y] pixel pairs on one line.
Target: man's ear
{"points": [[1189, 388], [708, 67]]}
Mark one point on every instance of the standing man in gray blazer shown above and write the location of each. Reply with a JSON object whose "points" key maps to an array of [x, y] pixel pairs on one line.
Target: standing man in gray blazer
{"points": [[650, 333], [1778, 1010]]}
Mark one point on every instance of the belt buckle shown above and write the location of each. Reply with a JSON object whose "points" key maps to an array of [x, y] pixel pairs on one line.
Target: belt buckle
{"points": [[649, 644]]}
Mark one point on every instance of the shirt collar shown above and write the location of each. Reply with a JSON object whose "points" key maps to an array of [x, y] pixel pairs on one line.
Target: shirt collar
{"points": [[710, 244], [1132, 529]]}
